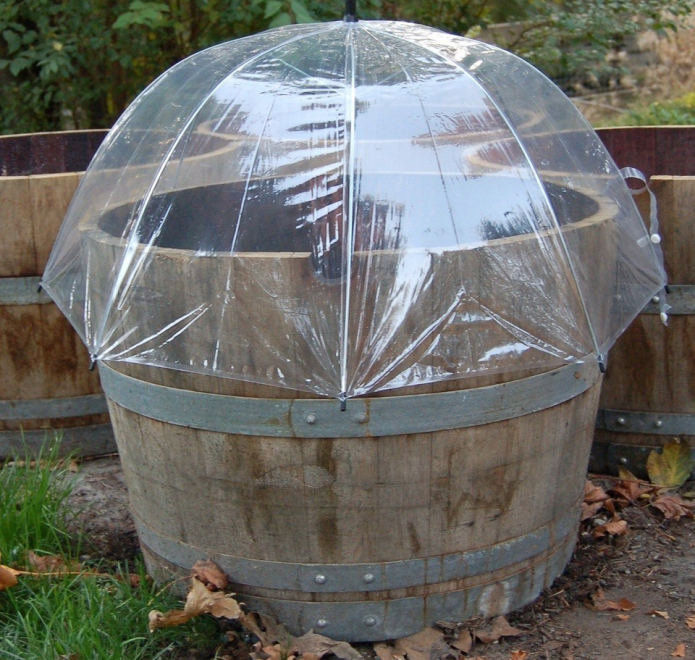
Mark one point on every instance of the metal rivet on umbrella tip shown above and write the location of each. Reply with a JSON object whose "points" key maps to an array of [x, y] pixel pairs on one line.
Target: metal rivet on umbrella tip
{"points": [[621, 421], [368, 578], [320, 579], [370, 621], [656, 299], [311, 418], [322, 623], [623, 460], [658, 423]]}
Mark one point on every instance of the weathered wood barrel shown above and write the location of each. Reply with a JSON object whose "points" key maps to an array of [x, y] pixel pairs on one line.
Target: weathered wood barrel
{"points": [[648, 393], [434, 502], [46, 382]]}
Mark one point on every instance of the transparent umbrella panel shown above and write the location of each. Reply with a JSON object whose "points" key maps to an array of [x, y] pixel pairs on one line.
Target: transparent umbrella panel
{"points": [[345, 208]]}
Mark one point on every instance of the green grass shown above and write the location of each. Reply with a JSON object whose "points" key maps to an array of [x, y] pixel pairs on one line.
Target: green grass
{"points": [[74, 616], [33, 515]]}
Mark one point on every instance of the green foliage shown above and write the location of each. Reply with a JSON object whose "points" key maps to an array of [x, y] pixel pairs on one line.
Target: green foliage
{"points": [[33, 515], [79, 63], [100, 618], [73, 615], [572, 41], [678, 112]]}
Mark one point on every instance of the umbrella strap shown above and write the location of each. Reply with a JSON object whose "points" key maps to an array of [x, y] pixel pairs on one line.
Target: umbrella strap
{"points": [[654, 236]]}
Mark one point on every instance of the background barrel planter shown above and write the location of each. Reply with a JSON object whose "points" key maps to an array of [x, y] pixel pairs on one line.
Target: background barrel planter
{"points": [[648, 394], [46, 382]]}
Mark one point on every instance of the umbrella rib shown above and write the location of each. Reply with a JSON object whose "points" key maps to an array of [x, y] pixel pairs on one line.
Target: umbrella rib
{"points": [[349, 185], [132, 242]]}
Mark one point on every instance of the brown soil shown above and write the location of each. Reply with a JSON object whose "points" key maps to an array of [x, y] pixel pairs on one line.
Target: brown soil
{"points": [[651, 566]]}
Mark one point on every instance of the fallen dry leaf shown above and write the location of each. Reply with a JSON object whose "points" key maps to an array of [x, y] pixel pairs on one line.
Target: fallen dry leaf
{"points": [[265, 628], [199, 601], [628, 492], [613, 528], [425, 645], [690, 622], [590, 510], [594, 493], [499, 628], [679, 652], [672, 466], [51, 564], [626, 475], [662, 613], [518, 655], [210, 574], [621, 617], [383, 651], [8, 577], [464, 641], [601, 604], [318, 645], [673, 507], [273, 652]]}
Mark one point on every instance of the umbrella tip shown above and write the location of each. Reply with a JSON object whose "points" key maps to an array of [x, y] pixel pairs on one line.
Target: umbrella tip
{"points": [[351, 11]]}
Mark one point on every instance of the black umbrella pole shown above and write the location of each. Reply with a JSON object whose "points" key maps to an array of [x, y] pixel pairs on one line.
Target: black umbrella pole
{"points": [[351, 11]]}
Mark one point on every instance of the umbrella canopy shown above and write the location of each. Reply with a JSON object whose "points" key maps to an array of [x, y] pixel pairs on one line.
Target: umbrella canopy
{"points": [[349, 207]]}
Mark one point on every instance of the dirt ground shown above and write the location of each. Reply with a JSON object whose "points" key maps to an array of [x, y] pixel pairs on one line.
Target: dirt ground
{"points": [[651, 566]]}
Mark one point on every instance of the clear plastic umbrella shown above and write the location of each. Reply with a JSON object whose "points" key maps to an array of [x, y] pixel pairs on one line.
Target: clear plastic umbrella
{"points": [[349, 207]]}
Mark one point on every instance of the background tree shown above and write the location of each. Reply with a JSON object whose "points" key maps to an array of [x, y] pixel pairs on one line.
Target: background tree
{"points": [[78, 63]]}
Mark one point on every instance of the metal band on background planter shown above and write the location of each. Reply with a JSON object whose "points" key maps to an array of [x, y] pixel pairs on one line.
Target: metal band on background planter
{"points": [[516, 569], [76, 406], [22, 291], [89, 440], [680, 298], [322, 418], [648, 423], [94, 440]]}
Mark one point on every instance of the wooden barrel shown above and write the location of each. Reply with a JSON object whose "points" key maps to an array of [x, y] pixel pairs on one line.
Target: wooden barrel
{"points": [[648, 393], [366, 524], [46, 382], [442, 501]]}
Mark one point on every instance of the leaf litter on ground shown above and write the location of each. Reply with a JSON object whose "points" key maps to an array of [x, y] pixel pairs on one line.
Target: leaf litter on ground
{"points": [[448, 641]]}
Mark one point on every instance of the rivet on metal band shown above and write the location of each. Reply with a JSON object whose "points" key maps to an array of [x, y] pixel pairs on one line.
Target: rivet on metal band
{"points": [[373, 417]]}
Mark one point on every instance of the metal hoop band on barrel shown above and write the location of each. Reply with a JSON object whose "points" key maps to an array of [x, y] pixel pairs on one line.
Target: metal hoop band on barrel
{"points": [[22, 291], [91, 440], [680, 298], [385, 600], [373, 417]]}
